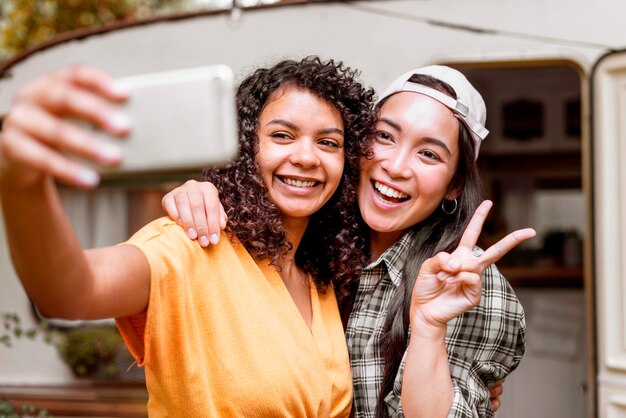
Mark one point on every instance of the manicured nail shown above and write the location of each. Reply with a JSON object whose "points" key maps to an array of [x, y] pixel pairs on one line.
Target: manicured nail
{"points": [[454, 264], [119, 89], [192, 233], [109, 151], [88, 177], [204, 241], [119, 121], [215, 239]]}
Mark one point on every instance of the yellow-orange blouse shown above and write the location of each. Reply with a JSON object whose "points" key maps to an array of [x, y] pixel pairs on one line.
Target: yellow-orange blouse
{"points": [[222, 337]]}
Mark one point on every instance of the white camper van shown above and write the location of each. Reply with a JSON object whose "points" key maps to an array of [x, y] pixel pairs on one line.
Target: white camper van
{"points": [[554, 79]]}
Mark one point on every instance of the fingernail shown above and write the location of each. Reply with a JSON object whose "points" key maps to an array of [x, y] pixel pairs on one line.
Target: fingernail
{"points": [[88, 177], [192, 233], [109, 151], [204, 241], [442, 275], [119, 121], [454, 264], [215, 239], [119, 89]]}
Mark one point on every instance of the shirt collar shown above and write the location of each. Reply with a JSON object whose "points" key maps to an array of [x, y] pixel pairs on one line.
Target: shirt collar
{"points": [[394, 258]]}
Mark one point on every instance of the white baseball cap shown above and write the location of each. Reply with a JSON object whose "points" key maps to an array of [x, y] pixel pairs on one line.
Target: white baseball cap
{"points": [[469, 105]]}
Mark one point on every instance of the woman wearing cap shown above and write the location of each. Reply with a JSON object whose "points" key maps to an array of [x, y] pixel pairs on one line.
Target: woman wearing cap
{"points": [[214, 328], [425, 280]]}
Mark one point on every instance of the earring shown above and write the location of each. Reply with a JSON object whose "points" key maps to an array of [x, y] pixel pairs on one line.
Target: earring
{"points": [[449, 211]]}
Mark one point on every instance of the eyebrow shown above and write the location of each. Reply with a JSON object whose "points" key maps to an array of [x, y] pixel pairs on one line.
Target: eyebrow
{"points": [[439, 143], [391, 123], [290, 125], [428, 139]]}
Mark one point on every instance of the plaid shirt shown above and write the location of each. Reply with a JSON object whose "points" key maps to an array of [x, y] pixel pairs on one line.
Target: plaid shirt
{"points": [[484, 344]]}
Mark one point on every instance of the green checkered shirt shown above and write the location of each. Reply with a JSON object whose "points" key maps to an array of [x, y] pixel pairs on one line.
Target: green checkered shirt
{"points": [[484, 344]]}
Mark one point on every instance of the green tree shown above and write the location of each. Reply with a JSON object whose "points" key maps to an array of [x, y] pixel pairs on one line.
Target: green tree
{"points": [[28, 22]]}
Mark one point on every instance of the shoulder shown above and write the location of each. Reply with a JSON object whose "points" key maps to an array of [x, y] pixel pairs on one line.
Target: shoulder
{"points": [[157, 229], [164, 241]]}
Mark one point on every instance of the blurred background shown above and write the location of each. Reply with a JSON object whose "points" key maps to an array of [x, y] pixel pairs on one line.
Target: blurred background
{"points": [[534, 64]]}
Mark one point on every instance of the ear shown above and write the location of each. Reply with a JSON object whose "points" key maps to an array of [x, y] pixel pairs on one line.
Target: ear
{"points": [[453, 193]]}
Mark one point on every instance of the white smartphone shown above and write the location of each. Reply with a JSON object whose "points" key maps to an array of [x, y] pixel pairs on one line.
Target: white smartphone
{"points": [[181, 120]]}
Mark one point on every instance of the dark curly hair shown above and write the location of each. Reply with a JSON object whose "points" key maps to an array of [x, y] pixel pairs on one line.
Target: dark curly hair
{"points": [[333, 247]]}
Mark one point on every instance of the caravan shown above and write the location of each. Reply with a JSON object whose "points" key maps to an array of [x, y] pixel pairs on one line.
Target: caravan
{"points": [[554, 80]]}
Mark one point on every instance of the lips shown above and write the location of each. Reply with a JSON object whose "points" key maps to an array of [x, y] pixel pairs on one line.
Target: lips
{"points": [[389, 194]]}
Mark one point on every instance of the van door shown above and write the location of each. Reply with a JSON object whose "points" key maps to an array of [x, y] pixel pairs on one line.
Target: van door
{"points": [[608, 168]]}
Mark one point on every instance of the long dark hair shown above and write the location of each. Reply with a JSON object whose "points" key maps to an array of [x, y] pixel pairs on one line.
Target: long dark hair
{"points": [[332, 248], [439, 232]]}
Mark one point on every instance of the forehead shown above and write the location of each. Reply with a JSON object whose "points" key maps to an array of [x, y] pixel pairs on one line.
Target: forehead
{"points": [[419, 114], [300, 102]]}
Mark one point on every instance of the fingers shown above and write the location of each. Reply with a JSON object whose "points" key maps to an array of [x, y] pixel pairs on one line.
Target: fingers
{"points": [[494, 395], [168, 204], [197, 208], [215, 214], [80, 92], [40, 132], [97, 81], [506, 244], [186, 218], [497, 389], [475, 226], [62, 135], [41, 159], [495, 404]]}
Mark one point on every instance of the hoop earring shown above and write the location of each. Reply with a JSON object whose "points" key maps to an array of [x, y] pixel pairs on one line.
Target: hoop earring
{"points": [[449, 211]]}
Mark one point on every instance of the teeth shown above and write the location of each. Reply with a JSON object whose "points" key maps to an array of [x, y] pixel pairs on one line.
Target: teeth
{"points": [[388, 191], [298, 183]]}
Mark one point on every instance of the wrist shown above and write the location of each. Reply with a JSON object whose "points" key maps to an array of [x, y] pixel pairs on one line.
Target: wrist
{"points": [[421, 328]]}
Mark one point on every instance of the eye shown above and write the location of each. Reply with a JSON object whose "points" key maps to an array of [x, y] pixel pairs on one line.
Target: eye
{"points": [[383, 136], [329, 143], [430, 155], [281, 136]]}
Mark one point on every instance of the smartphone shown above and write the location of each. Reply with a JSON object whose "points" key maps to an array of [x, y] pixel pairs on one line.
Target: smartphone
{"points": [[181, 120]]}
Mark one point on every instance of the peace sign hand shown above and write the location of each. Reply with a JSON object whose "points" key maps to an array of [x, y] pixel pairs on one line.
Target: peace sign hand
{"points": [[449, 284]]}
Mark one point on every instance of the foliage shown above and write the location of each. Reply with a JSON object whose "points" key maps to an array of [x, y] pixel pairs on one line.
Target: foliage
{"points": [[28, 22], [26, 411], [12, 329], [91, 350], [88, 351]]}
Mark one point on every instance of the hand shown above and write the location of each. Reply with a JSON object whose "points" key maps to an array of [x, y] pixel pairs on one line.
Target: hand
{"points": [[450, 284], [494, 395], [38, 132], [196, 207]]}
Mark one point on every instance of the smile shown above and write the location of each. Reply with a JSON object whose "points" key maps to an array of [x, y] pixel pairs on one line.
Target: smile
{"points": [[389, 194], [298, 183]]}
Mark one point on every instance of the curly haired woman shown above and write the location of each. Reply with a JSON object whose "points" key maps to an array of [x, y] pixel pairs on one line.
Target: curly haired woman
{"points": [[215, 327]]}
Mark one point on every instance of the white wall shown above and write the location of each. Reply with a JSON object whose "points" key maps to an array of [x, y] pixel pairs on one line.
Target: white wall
{"points": [[27, 361]]}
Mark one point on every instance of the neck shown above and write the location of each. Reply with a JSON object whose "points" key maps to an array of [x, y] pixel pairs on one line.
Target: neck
{"points": [[295, 231], [381, 241]]}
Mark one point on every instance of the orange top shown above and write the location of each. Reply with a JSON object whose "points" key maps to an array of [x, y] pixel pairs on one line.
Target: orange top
{"points": [[222, 336]]}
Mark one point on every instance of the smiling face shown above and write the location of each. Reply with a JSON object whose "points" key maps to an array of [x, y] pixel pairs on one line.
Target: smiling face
{"points": [[301, 151], [416, 153]]}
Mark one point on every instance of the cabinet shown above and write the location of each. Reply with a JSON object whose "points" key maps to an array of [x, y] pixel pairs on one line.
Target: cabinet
{"points": [[530, 165]]}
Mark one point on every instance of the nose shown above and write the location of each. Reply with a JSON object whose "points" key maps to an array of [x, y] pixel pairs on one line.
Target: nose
{"points": [[397, 163], [305, 154]]}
